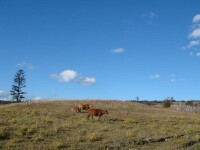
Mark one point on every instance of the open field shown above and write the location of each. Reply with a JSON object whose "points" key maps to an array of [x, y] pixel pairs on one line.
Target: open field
{"points": [[129, 125]]}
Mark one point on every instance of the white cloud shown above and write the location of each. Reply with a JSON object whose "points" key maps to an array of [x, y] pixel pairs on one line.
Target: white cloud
{"points": [[37, 98], [154, 77], [195, 33], [196, 18], [193, 43], [4, 95], [118, 50], [65, 76], [87, 81]]}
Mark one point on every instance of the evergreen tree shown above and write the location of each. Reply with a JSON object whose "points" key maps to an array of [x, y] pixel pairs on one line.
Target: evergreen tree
{"points": [[18, 84]]}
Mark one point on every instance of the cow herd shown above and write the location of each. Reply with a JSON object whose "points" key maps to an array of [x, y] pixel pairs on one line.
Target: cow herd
{"points": [[89, 109]]}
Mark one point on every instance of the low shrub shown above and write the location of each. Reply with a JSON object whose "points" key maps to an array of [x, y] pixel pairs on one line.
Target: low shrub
{"points": [[167, 103]]}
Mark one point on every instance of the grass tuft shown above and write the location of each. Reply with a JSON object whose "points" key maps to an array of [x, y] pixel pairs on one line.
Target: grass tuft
{"points": [[59, 145], [4, 134]]}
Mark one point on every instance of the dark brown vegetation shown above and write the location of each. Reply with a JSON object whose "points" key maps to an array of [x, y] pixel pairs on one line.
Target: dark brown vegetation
{"points": [[167, 103], [51, 125]]}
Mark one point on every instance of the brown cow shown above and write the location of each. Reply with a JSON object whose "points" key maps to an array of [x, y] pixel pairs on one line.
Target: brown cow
{"points": [[76, 109], [84, 106], [96, 112]]}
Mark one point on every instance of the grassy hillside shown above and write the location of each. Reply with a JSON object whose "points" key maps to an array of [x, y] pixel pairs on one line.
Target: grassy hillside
{"points": [[52, 125]]}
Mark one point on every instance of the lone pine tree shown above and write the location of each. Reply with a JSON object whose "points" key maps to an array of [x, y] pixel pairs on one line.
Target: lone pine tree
{"points": [[18, 84]]}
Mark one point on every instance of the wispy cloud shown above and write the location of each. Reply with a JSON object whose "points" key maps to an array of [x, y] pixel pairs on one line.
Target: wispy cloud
{"points": [[191, 53], [67, 76], [193, 43], [154, 77], [87, 81], [26, 65], [118, 50], [172, 75], [173, 78], [198, 54], [149, 17], [30, 97], [152, 15], [22, 64]]}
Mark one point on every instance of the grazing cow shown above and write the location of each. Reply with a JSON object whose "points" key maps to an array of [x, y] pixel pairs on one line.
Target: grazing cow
{"points": [[84, 106], [96, 112], [76, 109]]}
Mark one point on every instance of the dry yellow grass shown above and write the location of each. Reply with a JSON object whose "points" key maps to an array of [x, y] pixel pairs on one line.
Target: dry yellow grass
{"points": [[52, 125]]}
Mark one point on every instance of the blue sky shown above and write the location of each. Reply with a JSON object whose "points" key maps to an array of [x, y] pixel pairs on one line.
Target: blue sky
{"points": [[101, 49]]}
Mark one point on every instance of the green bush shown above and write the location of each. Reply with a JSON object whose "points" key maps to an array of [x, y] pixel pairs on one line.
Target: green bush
{"points": [[167, 103]]}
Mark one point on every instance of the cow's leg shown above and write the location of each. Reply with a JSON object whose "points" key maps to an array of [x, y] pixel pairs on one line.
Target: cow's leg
{"points": [[100, 116], [88, 116]]}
